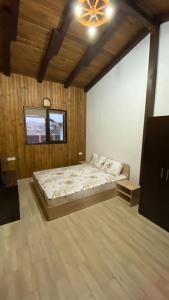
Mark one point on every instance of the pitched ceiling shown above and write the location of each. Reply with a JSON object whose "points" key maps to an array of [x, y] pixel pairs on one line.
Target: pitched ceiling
{"points": [[52, 45]]}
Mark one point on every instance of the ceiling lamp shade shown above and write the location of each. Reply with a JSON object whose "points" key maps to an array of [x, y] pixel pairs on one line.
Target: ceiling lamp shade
{"points": [[93, 13]]}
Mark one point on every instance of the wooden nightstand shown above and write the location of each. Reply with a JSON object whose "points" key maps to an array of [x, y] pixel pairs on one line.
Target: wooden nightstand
{"points": [[9, 178], [129, 191], [8, 172]]}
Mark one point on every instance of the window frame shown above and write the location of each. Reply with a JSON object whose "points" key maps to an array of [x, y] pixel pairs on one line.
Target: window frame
{"points": [[47, 125], [64, 141]]}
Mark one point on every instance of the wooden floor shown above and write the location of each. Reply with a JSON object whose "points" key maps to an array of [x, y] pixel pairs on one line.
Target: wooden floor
{"points": [[106, 251]]}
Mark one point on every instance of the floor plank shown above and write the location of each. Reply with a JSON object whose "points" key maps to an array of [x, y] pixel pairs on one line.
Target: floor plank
{"points": [[106, 251]]}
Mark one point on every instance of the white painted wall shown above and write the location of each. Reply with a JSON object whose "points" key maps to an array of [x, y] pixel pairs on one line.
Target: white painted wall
{"points": [[115, 110], [162, 90]]}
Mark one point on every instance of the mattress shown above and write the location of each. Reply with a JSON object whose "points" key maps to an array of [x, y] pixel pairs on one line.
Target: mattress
{"points": [[61, 185]]}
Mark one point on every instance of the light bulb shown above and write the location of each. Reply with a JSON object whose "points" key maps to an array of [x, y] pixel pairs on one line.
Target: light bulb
{"points": [[78, 10], [92, 31], [109, 11]]}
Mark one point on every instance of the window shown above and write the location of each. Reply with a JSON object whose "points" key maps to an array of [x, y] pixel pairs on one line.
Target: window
{"points": [[45, 126], [56, 125]]}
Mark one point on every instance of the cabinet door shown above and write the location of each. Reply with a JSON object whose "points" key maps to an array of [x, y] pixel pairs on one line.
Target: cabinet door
{"points": [[153, 165], [154, 200], [164, 200], [164, 186]]}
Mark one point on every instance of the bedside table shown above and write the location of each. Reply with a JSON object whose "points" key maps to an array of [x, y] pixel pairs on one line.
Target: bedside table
{"points": [[9, 178], [128, 191]]}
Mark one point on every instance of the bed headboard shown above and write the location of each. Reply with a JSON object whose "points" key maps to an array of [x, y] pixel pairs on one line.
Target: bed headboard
{"points": [[126, 170]]}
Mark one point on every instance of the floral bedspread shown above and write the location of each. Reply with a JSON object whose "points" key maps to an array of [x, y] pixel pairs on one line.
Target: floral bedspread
{"points": [[65, 181]]}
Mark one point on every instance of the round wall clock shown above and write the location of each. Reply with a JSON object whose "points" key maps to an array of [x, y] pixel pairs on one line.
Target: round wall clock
{"points": [[46, 102]]}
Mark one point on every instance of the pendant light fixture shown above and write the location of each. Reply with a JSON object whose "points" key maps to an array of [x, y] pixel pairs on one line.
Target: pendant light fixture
{"points": [[93, 13]]}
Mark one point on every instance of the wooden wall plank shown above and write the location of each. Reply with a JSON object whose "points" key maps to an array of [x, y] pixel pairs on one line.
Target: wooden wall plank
{"points": [[18, 91]]}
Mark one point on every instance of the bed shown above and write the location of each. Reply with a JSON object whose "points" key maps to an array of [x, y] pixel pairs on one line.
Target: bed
{"points": [[65, 190]]}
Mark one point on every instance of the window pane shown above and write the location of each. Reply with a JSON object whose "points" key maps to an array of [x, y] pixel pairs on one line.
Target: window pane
{"points": [[57, 126], [35, 126]]}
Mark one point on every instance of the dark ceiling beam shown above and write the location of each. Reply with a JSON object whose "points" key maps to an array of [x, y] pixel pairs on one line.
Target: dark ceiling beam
{"points": [[133, 9], [158, 20], [10, 16], [50, 52], [117, 59], [6, 42], [94, 49], [162, 18], [56, 40]]}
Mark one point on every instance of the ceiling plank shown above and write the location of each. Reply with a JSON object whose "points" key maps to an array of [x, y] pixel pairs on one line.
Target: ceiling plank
{"points": [[56, 40], [132, 8], [94, 49], [117, 59], [10, 16], [151, 84]]}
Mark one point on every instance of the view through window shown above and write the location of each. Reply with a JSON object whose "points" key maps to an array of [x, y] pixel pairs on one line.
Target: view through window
{"points": [[45, 126]]}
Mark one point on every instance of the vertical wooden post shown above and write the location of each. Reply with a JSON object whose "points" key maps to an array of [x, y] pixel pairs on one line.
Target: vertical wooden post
{"points": [[151, 83]]}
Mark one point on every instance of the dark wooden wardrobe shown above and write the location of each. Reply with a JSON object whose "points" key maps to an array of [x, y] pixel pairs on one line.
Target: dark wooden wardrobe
{"points": [[154, 197]]}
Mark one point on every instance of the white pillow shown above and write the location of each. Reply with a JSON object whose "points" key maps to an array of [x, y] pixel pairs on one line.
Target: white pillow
{"points": [[112, 167], [100, 161], [94, 158], [97, 161]]}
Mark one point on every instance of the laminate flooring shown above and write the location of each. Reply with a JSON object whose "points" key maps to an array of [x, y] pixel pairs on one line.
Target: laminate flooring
{"points": [[106, 251]]}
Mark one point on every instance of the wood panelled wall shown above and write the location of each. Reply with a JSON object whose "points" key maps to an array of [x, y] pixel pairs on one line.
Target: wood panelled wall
{"points": [[18, 91]]}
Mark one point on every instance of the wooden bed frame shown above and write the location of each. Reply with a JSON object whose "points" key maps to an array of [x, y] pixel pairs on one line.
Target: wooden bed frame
{"points": [[56, 211]]}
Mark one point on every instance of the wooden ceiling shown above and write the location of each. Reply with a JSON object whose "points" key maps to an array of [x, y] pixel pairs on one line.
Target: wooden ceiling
{"points": [[49, 44]]}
